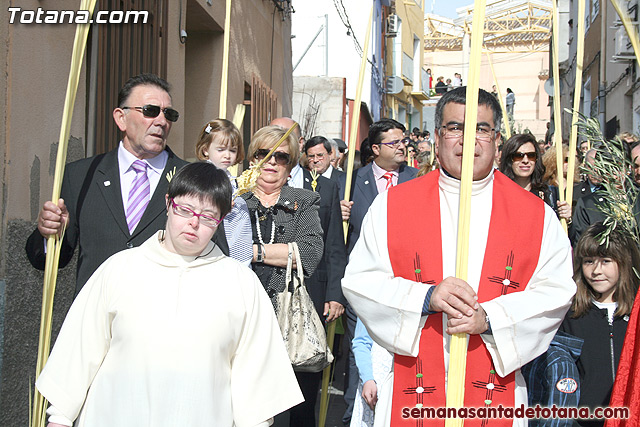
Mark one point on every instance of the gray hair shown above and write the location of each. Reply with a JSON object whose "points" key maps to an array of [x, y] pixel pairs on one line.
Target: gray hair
{"points": [[334, 145]]}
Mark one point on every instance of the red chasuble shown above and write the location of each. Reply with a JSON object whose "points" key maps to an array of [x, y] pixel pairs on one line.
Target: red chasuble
{"points": [[626, 388], [512, 252]]}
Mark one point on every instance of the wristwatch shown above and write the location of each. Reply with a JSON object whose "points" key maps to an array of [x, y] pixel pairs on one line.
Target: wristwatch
{"points": [[260, 255], [488, 331]]}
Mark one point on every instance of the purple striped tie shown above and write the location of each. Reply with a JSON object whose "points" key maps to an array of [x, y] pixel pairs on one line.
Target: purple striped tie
{"points": [[138, 195]]}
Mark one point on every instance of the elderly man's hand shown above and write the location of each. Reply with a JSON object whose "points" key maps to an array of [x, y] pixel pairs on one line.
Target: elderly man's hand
{"points": [[332, 310], [345, 207], [474, 324], [455, 298], [51, 218]]}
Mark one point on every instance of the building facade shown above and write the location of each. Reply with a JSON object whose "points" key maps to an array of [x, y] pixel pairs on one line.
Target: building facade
{"points": [[609, 89], [406, 81], [516, 44], [180, 41]]}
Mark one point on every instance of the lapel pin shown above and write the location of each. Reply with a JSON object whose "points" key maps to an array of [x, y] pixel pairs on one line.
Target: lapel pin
{"points": [[366, 183], [107, 183], [286, 202]]}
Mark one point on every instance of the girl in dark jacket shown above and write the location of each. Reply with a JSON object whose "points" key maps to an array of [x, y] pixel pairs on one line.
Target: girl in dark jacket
{"points": [[607, 285]]}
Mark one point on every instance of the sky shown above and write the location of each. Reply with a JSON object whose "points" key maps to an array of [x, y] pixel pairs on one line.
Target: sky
{"points": [[446, 8], [343, 60]]}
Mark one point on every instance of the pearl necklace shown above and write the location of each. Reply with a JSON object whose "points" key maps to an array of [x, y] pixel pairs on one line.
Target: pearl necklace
{"points": [[273, 229]]}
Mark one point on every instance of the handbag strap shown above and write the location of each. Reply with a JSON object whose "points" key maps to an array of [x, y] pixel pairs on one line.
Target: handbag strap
{"points": [[299, 271], [294, 251]]}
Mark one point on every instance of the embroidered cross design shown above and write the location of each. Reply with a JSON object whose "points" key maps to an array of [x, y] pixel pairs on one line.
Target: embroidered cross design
{"points": [[419, 389], [418, 271], [490, 386], [505, 280]]}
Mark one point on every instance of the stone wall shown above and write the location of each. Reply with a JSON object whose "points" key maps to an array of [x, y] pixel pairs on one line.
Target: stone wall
{"points": [[20, 316]]}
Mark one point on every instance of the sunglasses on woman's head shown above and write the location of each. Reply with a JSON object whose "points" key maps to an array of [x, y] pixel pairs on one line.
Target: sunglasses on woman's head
{"points": [[517, 156], [281, 158]]}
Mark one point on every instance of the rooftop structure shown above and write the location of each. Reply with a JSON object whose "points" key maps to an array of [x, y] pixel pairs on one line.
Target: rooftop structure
{"points": [[510, 26]]}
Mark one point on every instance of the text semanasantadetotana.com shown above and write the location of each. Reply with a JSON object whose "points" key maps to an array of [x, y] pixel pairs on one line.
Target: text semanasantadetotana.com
{"points": [[522, 411]]}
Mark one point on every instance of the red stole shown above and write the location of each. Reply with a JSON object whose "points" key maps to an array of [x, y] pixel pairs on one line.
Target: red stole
{"points": [[515, 236]]}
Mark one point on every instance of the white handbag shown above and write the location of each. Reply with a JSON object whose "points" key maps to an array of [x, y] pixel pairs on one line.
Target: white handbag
{"points": [[302, 330]]}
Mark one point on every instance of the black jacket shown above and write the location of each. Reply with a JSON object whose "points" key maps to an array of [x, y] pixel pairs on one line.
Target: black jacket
{"points": [[587, 212], [324, 283], [550, 196], [595, 364], [97, 220]]}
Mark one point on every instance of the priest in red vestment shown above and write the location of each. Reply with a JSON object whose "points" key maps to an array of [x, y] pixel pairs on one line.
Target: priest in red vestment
{"points": [[402, 285]]}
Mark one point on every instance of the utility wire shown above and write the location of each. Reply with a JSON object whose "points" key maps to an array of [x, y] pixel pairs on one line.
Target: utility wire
{"points": [[342, 13]]}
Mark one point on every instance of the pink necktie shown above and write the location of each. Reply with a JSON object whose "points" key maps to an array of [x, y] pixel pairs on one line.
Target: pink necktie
{"points": [[388, 176], [138, 195]]}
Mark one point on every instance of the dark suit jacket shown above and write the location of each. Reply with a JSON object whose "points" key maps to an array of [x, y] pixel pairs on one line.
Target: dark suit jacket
{"points": [[337, 177], [324, 284], [363, 191], [581, 189], [587, 212], [97, 221]]}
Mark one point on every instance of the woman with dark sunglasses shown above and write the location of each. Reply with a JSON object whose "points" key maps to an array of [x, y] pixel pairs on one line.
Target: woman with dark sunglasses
{"points": [[280, 215], [521, 161]]}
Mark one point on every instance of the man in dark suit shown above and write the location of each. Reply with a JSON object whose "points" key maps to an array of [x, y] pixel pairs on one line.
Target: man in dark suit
{"points": [[591, 184], [318, 150], [95, 202], [389, 149], [387, 170], [589, 207], [326, 279]]}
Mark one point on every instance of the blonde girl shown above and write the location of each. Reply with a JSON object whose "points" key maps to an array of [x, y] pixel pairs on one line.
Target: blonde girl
{"points": [[220, 143]]}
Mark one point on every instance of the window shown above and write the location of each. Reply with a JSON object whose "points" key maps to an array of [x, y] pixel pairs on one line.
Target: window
{"points": [[417, 63], [586, 98], [402, 114], [407, 67], [587, 15], [397, 50]]}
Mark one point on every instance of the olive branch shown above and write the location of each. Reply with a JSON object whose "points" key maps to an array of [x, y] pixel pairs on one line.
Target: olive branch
{"points": [[614, 167]]}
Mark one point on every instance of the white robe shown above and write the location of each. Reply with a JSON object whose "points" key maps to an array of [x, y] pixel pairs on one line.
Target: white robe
{"points": [[159, 339], [523, 323]]}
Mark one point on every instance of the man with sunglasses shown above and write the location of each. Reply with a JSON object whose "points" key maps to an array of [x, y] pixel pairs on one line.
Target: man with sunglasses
{"points": [[401, 281], [388, 169], [114, 201]]}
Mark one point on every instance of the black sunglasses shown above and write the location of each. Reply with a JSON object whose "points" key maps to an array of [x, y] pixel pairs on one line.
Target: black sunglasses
{"points": [[517, 156], [153, 111], [281, 158]]}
